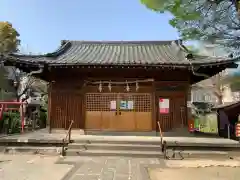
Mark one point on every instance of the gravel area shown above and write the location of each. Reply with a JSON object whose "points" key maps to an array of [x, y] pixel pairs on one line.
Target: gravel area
{"points": [[209, 173], [197, 169]]}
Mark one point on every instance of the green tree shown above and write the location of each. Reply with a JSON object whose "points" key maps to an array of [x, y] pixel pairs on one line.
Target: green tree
{"points": [[216, 21], [9, 43]]}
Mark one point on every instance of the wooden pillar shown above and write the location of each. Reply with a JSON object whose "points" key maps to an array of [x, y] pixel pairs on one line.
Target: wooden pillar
{"points": [[49, 107], [154, 108], [189, 109]]}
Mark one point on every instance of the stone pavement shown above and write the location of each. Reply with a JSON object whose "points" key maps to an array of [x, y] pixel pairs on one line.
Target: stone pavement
{"points": [[109, 168], [123, 168], [42, 167]]}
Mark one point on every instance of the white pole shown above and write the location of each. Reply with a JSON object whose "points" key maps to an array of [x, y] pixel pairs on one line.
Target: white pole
{"points": [[228, 131], [2, 94]]}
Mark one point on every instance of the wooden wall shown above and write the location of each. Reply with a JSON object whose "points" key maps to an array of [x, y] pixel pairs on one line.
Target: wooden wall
{"points": [[65, 104], [67, 99]]}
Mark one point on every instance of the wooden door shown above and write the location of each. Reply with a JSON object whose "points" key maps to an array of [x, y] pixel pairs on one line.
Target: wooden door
{"points": [[180, 115], [134, 112], [143, 111], [109, 111], [165, 118], [100, 113], [125, 112]]}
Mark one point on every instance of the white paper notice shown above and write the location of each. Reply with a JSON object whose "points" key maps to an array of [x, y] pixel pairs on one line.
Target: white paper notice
{"points": [[164, 106], [130, 104], [113, 105]]}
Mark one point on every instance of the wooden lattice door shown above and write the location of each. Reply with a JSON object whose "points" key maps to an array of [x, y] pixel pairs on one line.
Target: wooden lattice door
{"points": [[142, 111], [100, 110], [126, 112], [165, 117], [119, 111]]}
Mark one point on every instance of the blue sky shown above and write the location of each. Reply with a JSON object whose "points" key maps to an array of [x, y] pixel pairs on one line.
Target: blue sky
{"points": [[42, 24]]}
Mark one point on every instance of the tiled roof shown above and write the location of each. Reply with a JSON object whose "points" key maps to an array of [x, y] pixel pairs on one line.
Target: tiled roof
{"points": [[227, 105], [120, 53]]}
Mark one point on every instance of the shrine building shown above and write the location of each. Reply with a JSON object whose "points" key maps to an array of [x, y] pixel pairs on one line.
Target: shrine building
{"points": [[120, 85]]}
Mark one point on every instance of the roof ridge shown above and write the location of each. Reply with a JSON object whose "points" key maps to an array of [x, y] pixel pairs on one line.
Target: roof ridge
{"points": [[125, 42], [62, 49]]}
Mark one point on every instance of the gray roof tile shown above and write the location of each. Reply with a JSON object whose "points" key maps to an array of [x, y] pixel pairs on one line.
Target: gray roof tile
{"points": [[120, 53]]}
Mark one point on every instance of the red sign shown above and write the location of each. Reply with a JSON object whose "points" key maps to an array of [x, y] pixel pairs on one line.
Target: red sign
{"points": [[237, 129], [163, 106]]}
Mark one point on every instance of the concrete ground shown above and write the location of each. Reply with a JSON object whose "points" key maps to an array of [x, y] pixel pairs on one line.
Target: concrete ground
{"points": [[40, 167], [42, 134], [31, 167]]}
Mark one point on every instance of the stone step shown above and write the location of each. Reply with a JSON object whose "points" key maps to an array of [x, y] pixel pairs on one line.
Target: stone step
{"points": [[31, 150], [107, 146], [146, 154], [125, 153], [117, 141], [171, 143]]}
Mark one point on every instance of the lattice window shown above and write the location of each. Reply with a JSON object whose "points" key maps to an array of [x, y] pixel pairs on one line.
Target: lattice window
{"points": [[143, 103], [102, 101], [106, 99], [99, 101], [124, 100], [93, 102]]}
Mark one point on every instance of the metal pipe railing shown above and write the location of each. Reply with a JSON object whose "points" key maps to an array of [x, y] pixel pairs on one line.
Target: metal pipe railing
{"points": [[160, 132], [67, 138], [163, 144]]}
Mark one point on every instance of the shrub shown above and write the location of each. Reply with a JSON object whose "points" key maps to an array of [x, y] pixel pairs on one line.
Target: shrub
{"points": [[10, 122], [43, 118]]}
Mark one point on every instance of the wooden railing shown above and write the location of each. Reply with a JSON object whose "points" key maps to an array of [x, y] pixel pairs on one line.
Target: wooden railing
{"points": [[67, 138]]}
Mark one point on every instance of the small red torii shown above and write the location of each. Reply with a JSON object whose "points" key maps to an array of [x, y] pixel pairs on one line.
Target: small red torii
{"points": [[4, 108]]}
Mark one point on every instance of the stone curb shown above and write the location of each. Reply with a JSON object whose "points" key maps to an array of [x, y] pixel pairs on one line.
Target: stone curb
{"points": [[72, 171], [144, 169], [22, 140], [163, 165], [35, 150]]}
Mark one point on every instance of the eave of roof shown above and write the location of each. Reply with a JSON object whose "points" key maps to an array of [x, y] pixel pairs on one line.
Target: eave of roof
{"points": [[121, 53], [227, 105]]}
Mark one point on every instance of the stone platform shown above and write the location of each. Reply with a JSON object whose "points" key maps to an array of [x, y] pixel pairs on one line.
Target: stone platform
{"points": [[55, 139], [43, 136], [39, 136]]}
